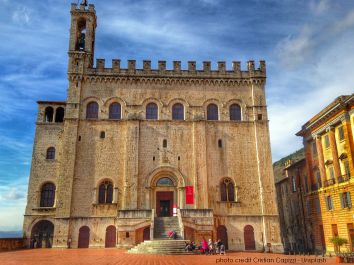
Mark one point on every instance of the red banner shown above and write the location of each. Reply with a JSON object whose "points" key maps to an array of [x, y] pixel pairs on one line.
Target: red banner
{"points": [[189, 195]]}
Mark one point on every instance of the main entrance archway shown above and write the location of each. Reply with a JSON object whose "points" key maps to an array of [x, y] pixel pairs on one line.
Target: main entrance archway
{"points": [[166, 189], [42, 234]]}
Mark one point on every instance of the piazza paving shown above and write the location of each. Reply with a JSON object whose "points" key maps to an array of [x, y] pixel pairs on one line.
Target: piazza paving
{"points": [[117, 256]]}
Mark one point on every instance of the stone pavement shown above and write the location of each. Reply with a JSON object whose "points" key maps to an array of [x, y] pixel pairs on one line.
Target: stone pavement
{"points": [[115, 256]]}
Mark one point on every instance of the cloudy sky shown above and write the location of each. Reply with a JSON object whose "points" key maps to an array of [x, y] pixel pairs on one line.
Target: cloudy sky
{"points": [[308, 46]]}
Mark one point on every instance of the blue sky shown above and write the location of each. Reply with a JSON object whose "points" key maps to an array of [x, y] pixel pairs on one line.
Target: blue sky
{"points": [[308, 47]]}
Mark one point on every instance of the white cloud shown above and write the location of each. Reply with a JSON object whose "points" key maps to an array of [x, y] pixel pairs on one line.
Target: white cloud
{"points": [[22, 15], [12, 194], [319, 7]]}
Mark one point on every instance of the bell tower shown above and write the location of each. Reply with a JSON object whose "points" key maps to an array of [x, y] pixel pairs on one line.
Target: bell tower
{"points": [[82, 37]]}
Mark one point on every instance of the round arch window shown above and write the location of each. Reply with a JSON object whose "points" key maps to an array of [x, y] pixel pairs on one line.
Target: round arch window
{"points": [[164, 182]]}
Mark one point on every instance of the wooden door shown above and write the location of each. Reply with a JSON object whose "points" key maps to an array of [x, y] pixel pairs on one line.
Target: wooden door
{"points": [[323, 242], [146, 233], [164, 202], [84, 237], [248, 233], [110, 241], [222, 235]]}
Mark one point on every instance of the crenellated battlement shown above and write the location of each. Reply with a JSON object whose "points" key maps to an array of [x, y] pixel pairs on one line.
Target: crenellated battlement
{"points": [[192, 70], [82, 7]]}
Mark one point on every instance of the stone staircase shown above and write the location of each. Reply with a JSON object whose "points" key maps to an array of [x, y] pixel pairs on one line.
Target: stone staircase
{"points": [[162, 225], [162, 244], [161, 247]]}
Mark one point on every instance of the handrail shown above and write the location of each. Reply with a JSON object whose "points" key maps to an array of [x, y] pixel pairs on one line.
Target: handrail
{"points": [[180, 222]]}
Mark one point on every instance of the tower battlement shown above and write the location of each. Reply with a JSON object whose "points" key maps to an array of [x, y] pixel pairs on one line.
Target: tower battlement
{"points": [[82, 7], [192, 70]]}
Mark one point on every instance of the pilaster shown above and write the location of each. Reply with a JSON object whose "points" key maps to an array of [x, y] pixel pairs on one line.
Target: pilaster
{"points": [[321, 164], [334, 151]]}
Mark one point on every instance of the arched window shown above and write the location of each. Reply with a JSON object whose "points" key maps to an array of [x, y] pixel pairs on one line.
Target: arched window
{"points": [[59, 115], [235, 112], [47, 195], [92, 110], [50, 153], [81, 25], [178, 112], [115, 111], [227, 190], [105, 194], [212, 112], [164, 182], [151, 111], [48, 114]]}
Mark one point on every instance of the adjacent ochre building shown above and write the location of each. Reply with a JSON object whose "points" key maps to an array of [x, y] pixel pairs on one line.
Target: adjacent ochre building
{"points": [[129, 146], [329, 150]]}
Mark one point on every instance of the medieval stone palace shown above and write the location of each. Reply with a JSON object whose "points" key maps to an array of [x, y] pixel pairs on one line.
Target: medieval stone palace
{"points": [[132, 152]]}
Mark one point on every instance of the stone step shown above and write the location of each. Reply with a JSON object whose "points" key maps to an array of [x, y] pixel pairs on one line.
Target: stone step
{"points": [[162, 247]]}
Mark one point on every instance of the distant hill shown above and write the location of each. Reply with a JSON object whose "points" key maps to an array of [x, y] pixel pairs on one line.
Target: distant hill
{"points": [[279, 166], [11, 234]]}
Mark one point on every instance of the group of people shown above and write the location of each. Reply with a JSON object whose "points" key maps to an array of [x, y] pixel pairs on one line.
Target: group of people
{"points": [[206, 247]]}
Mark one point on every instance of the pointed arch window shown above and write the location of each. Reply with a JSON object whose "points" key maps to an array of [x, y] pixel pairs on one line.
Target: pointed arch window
{"points": [[92, 110], [105, 192], [115, 112], [235, 112], [178, 112], [151, 111], [47, 195], [212, 112], [227, 190]]}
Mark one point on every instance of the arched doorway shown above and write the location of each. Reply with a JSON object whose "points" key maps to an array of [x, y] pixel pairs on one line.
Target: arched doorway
{"points": [[84, 237], [165, 196], [146, 233], [222, 235], [42, 234], [250, 243], [110, 237]]}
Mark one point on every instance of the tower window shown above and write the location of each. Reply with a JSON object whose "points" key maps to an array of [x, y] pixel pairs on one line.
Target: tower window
{"points": [[115, 111], [103, 135], [260, 117], [164, 143], [227, 190], [50, 153], [178, 112], [212, 112], [81, 25], [92, 110], [48, 114], [47, 195], [151, 111], [235, 112], [220, 143], [59, 115], [105, 193]]}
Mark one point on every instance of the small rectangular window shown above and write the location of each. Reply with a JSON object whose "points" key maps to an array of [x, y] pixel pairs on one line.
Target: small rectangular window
{"points": [[260, 117], [220, 143], [341, 133], [329, 203], [293, 181], [331, 172], [164, 143], [346, 168], [326, 139], [346, 201], [314, 149]]}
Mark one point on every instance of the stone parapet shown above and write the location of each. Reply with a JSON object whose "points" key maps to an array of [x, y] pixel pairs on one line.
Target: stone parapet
{"points": [[177, 71]]}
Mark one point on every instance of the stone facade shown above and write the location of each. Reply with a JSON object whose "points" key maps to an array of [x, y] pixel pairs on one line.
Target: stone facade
{"points": [[329, 150], [133, 153], [295, 222]]}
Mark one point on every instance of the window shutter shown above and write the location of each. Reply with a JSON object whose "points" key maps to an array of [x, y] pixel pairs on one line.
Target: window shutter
{"points": [[331, 202], [341, 200], [349, 200]]}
